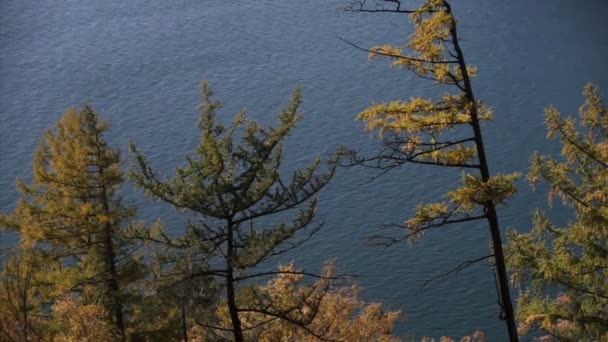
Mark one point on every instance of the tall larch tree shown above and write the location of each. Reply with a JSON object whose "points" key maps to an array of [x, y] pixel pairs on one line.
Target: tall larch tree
{"points": [[442, 132], [242, 209], [563, 270], [73, 214]]}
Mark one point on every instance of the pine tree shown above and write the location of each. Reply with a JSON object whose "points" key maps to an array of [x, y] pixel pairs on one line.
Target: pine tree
{"points": [[241, 208], [563, 270], [443, 132], [72, 214]]}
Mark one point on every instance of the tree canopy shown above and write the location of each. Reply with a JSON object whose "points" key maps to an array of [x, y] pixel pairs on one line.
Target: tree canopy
{"points": [[563, 269], [72, 220], [245, 210]]}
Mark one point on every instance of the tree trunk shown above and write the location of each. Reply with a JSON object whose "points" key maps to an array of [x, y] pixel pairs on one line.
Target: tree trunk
{"points": [[230, 292], [184, 326], [25, 318], [110, 257], [489, 207]]}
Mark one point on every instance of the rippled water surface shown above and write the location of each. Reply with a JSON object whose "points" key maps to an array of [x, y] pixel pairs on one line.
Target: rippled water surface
{"points": [[140, 62]]}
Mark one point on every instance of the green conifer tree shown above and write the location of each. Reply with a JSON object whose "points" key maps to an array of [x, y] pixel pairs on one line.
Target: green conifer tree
{"points": [[443, 132], [242, 210], [72, 213], [563, 270]]}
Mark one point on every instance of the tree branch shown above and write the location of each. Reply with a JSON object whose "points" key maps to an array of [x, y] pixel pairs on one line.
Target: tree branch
{"points": [[412, 59], [456, 269]]}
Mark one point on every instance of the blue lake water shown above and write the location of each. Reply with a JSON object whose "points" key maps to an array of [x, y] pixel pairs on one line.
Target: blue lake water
{"points": [[140, 63]]}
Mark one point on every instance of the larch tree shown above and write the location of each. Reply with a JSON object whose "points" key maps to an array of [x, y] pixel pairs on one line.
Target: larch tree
{"points": [[442, 132], [563, 270], [72, 214], [241, 208], [340, 316], [23, 296]]}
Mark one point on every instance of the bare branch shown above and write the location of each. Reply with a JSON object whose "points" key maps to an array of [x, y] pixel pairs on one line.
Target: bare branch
{"points": [[397, 56], [389, 241], [313, 275], [357, 6], [456, 269], [290, 320]]}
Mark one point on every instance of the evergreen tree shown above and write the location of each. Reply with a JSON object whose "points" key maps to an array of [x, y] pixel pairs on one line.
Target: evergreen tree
{"points": [[443, 132], [243, 209], [72, 214], [564, 270]]}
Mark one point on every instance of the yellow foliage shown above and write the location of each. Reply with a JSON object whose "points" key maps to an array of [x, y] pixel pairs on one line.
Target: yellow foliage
{"points": [[426, 51], [419, 114], [477, 336], [335, 313], [462, 201], [475, 191], [80, 322], [457, 155]]}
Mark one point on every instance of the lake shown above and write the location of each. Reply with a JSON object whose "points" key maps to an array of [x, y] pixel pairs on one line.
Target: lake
{"points": [[140, 64]]}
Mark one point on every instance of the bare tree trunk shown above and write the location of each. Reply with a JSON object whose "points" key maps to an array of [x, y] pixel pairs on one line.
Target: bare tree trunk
{"points": [[230, 292], [489, 207]]}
